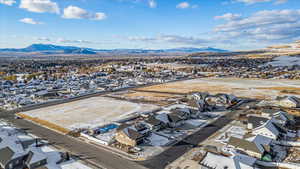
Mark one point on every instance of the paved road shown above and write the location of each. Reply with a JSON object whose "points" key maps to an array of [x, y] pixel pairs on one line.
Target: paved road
{"points": [[88, 152], [170, 155]]}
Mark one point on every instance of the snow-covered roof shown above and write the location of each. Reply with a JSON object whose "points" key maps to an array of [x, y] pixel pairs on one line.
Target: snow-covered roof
{"points": [[270, 126], [234, 162], [36, 155], [291, 99], [162, 117], [12, 139]]}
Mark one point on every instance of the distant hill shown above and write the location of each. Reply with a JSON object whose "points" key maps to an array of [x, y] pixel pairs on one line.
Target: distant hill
{"points": [[79, 51], [193, 50], [53, 49]]}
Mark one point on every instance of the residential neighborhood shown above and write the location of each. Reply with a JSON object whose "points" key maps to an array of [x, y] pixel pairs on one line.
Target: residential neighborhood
{"points": [[149, 84], [152, 113], [19, 149]]}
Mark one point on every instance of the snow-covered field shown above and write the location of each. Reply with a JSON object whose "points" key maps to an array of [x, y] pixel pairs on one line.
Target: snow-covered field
{"points": [[89, 112], [285, 61]]}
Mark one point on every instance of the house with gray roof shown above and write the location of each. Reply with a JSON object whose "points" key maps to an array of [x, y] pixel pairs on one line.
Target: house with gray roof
{"points": [[17, 151], [289, 101], [11, 159], [281, 117], [256, 121], [254, 148]]}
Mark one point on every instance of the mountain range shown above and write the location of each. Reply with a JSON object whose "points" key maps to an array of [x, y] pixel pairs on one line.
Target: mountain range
{"points": [[55, 49]]}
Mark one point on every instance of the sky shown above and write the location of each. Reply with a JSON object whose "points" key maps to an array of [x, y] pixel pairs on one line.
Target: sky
{"points": [[150, 24]]}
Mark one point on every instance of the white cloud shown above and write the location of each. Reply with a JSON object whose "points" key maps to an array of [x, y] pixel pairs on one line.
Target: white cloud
{"points": [[267, 25], [40, 6], [175, 39], [44, 39], [74, 12], [152, 3], [30, 21], [259, 1], [228, 16], [183, 5], [278, 2], [63, 40], [252, 1], [7, 2], [99, 16]]}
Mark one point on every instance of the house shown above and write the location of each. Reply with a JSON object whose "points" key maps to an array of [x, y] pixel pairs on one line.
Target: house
{"points": [[45, 95], [132, 135], [195, 114], [11, 157], [154, 123], [35, 159], [17, 150], [7, 84], [183, 113], [12, 152], [253, 148], [273, 127], [280, 117], [289, 102], [256, 121], [197, 104], [270, 130], [217, 161], [175, 119], [163, 117], [200, 95]]}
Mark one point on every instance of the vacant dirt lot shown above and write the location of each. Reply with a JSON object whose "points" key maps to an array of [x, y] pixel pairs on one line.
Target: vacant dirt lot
{"points": [[88, 112], [255, 88]]}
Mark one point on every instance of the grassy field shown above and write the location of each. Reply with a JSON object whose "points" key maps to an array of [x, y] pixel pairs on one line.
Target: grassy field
{"points": [[284, 90], [254, 88]]}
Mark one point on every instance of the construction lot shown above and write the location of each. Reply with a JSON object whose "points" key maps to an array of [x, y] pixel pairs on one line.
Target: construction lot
{"points": [[89, 112]]}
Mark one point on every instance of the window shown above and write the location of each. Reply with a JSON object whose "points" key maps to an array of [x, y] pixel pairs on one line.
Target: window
{"points": [[10, 166]]}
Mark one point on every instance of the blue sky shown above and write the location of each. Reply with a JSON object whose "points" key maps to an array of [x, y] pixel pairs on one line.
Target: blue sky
{"points": [[227, 24]]}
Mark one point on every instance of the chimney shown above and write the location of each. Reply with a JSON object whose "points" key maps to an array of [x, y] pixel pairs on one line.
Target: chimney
{"points": [[36, 143], [67, 156]]}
